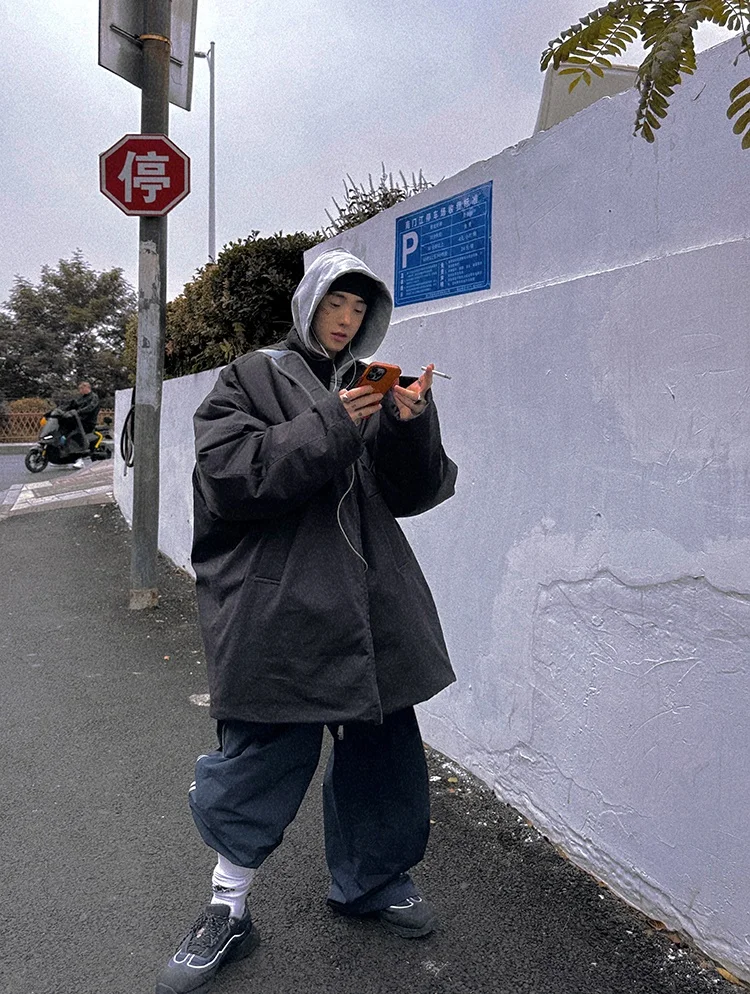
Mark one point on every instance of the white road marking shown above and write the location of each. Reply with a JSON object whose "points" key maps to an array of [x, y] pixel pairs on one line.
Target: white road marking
{"points": [[28, 498]]}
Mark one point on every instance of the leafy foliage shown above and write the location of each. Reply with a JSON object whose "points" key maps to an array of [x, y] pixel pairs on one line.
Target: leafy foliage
{"points": [[25, 405], [67, 327], [740, 103], [666, 30], [239, 303], [361, 203]]}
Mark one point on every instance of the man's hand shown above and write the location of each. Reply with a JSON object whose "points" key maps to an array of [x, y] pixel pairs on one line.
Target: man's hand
{"points": [[360, 402], [410, 400]]}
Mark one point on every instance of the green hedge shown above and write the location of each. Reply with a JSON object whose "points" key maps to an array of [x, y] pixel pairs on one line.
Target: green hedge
{"points": [[239, 303]]}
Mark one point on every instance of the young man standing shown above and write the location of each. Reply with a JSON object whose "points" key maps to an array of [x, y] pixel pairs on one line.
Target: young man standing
{"points": [[314, 614]]}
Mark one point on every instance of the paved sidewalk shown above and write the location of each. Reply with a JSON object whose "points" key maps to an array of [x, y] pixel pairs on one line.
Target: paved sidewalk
{"points": [[90, 485], [102, 870]]}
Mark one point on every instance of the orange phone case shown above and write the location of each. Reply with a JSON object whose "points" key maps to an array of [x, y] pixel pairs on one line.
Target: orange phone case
{"points": [[380, 376]]}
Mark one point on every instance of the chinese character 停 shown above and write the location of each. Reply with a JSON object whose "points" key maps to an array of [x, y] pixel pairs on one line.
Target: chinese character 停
{"points": [[150, 175]]}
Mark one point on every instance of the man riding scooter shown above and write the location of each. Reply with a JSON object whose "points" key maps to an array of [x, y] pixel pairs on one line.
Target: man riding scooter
{"points": [[69, 432], [85, 407]]}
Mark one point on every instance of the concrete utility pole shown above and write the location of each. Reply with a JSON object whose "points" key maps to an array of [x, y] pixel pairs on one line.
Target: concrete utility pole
{"points": [[152, 301]]}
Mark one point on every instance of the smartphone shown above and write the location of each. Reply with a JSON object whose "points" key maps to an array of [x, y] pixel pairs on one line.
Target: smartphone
{"points": [[379, 375]]}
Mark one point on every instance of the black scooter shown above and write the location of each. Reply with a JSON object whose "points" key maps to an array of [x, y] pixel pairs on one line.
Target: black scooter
{"points": [[59, 441]]}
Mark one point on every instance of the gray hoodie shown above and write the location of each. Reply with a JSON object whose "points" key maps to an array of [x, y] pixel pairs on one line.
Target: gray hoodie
{"points": [[314, 285]]}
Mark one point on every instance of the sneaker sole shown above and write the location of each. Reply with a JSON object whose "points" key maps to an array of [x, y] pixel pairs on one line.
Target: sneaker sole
{"points": [[409, 933], [248, 945], [374, 917]]}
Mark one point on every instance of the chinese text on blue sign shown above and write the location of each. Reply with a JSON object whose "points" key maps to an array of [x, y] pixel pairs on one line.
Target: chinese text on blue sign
{"points": [[444, 249]]}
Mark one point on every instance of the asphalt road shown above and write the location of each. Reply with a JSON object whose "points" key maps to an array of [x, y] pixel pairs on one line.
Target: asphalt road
{"points": [[102, 870], [12, 471]]}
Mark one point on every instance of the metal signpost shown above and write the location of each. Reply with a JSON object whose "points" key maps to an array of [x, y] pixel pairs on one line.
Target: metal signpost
{"points": [[147, 175]]}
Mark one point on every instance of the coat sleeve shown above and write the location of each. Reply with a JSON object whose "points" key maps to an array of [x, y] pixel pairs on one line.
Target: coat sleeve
{"points": [[249, 469], [413, 471]]}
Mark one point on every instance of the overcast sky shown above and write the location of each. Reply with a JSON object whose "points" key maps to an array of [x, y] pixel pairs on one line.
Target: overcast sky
{"points": [[306, 91]]}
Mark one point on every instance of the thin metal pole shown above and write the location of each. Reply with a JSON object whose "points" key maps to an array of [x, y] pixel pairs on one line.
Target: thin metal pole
{"points": [[152, 302], [211, 159]]}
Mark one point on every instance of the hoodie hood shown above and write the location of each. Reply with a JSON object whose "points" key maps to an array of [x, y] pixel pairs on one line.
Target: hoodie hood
{"points": [[314, 285]]}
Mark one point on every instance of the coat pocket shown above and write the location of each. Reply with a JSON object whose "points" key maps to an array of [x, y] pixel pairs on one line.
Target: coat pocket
{"points": [[400, 548], [367, 479], [273, 552], [384, 525]]}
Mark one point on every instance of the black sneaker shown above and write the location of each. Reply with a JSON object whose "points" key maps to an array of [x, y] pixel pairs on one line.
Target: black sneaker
{"points": [[411, 918], [215, 939]]}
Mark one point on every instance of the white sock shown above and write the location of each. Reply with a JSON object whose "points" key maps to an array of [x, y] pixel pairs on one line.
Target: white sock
{"points": [[231, 885]]}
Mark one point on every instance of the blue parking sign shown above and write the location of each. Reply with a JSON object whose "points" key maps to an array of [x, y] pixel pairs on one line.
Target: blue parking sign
{"points": [[445, 249]]}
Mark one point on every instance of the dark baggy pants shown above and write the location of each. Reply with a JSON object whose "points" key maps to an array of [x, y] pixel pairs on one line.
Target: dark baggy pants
{"points": [[376, 812]]}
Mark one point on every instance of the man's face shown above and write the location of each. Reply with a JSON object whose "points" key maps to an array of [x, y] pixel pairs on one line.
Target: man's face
{"points": [[337, 320], [84, 388]]}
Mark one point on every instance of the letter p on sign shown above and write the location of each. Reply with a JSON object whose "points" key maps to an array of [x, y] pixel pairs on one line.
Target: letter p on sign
{"points": [[409, 243]]}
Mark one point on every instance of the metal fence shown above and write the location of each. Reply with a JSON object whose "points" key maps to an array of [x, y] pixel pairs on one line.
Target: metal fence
{"points": [[23, 426]]}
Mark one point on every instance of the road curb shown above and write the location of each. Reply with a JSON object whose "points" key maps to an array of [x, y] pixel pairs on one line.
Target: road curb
{"points": [[14, 448]]}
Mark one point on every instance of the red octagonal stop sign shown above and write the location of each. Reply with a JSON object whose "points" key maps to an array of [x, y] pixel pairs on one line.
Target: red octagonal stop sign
{"points": [[144, 174]]}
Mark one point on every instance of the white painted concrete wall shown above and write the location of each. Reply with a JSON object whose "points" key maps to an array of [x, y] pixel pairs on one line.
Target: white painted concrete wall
{"points": [[593, 569], [180, 399]]}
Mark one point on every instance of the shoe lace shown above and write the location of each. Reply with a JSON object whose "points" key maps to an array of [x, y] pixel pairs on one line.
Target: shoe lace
{"points": [[409, 903], [205, 933]]}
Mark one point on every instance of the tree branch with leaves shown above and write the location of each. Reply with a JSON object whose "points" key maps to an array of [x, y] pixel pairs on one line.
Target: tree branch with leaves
{"points": [[667, 32], [67, 326]]}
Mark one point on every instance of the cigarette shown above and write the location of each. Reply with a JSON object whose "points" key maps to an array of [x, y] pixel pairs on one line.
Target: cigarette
{"points": [[436, 372]]}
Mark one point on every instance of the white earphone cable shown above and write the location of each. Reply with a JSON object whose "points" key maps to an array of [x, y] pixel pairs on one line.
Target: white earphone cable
{"points": [[341, 527]]}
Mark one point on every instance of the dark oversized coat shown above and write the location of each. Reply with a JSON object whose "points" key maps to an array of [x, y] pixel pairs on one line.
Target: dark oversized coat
{"points": [[286, 488]]}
